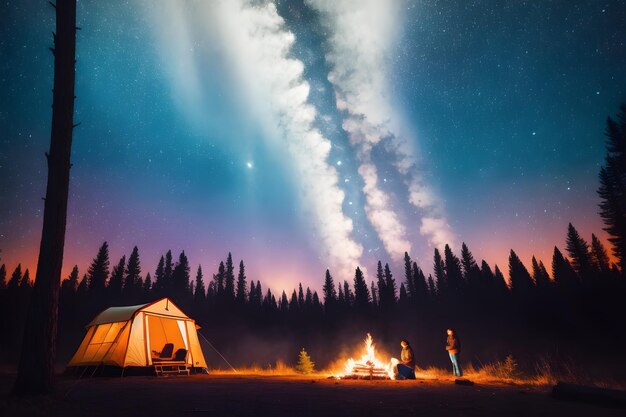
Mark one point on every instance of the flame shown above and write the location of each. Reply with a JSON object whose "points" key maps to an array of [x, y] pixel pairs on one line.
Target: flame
{"points": [[369, 359]]}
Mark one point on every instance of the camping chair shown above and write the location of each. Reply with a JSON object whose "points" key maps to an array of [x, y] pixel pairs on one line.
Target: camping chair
{"points": [[180, 356], [176, 366], [165, 354]]}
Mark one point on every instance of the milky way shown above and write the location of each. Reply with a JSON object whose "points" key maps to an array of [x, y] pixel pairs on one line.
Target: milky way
{"points": [[301, 135]]}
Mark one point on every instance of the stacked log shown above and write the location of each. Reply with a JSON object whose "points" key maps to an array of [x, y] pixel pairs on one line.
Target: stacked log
{"points": [[367, 371]]}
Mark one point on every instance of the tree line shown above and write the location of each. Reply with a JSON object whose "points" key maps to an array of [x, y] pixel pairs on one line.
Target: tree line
{"points": [[578, 288]]}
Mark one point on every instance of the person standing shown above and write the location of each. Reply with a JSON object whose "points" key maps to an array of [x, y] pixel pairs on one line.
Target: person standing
{"points": [[453, 346], [406, 366]]}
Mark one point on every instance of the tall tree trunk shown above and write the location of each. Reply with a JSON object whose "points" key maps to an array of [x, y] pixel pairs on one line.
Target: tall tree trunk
{"points": [[36, 369]]}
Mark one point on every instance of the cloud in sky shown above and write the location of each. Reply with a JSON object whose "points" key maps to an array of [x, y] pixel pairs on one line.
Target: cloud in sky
{"points": [[257, 46], [362, 33]]}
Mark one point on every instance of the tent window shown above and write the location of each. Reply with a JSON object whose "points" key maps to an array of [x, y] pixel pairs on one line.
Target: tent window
{"points": [[101, 341], [101, 332]]}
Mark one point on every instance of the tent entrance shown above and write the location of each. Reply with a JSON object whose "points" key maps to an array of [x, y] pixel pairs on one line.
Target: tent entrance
{"points": [[163, 330]]}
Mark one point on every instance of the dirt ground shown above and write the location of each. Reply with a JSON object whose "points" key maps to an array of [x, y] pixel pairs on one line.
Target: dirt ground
{"points": [[276, 396]]}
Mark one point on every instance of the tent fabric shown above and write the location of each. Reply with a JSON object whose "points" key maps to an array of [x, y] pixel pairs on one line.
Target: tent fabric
{"points": [[132, 335], [116, 314]]}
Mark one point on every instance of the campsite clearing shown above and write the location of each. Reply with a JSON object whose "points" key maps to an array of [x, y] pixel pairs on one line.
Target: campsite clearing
{"points": [[254, 395]]}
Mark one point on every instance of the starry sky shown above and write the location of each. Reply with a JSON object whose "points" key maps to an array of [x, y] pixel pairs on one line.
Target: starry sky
{"points": [[311, 134]]}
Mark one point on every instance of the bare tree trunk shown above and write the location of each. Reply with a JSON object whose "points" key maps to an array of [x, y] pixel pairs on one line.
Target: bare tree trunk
{"points": [[36, 369]]}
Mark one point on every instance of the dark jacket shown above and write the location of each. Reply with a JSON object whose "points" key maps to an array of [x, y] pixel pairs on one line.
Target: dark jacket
{"points": [[407, 358], [453, 344]]}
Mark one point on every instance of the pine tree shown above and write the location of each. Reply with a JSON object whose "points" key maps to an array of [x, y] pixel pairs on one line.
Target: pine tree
{"points": [[35, 375], [403, 298], [180, 279], [361, 292], [229, 280], [67, 297], [421, 287], [159, 277], [308, 300], [147, 285], [269, 302], [390, 287], [432, 287], [256, 295], [486, 272], [259, 293], [612, 188], [25, 282], [72, 279], [98, 271], [348, 294], [210, 294], [565, 277], [252, 293], [83, 288], [599, 256], [454, 275], [540, 275], [317, 307], [409, 277], [300, 297], [69, 286], [242, 289], [467, 261], [199, 296], [16, 277], [374, 296], [284, 303], [341, 299], [293, 303], [440, 274], [168, 284], [521, 281], [305, 365], [382, 289], [578, 250], [132, 278], [471, 273], [117, 279], [330, 293], [500, 283], [219, 283]]}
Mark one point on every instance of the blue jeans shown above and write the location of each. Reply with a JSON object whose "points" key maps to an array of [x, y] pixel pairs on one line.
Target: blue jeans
{"points": [[405, 372], [456, 367]]}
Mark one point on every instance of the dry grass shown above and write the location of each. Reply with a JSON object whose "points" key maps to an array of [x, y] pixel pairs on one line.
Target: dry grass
{"points": [[546, 372], [432, 373], [279, 368]]}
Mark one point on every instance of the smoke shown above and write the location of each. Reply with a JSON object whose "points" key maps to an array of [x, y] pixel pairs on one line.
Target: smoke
{"points": [[257, 46], [361, 35]]}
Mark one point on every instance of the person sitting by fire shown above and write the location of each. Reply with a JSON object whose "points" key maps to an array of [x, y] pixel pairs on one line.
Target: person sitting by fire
{"points": [[453, 346], [406, 366]]}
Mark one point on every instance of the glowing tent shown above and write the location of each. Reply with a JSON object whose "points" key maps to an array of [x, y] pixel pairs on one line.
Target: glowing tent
{"points": [[134, 336]]}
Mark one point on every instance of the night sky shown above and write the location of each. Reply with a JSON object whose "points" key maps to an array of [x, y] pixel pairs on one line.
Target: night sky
{"points": [[305, 135]]}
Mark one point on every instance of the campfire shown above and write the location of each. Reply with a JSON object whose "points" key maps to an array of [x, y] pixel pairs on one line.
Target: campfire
{"points": [[368, 366]]}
